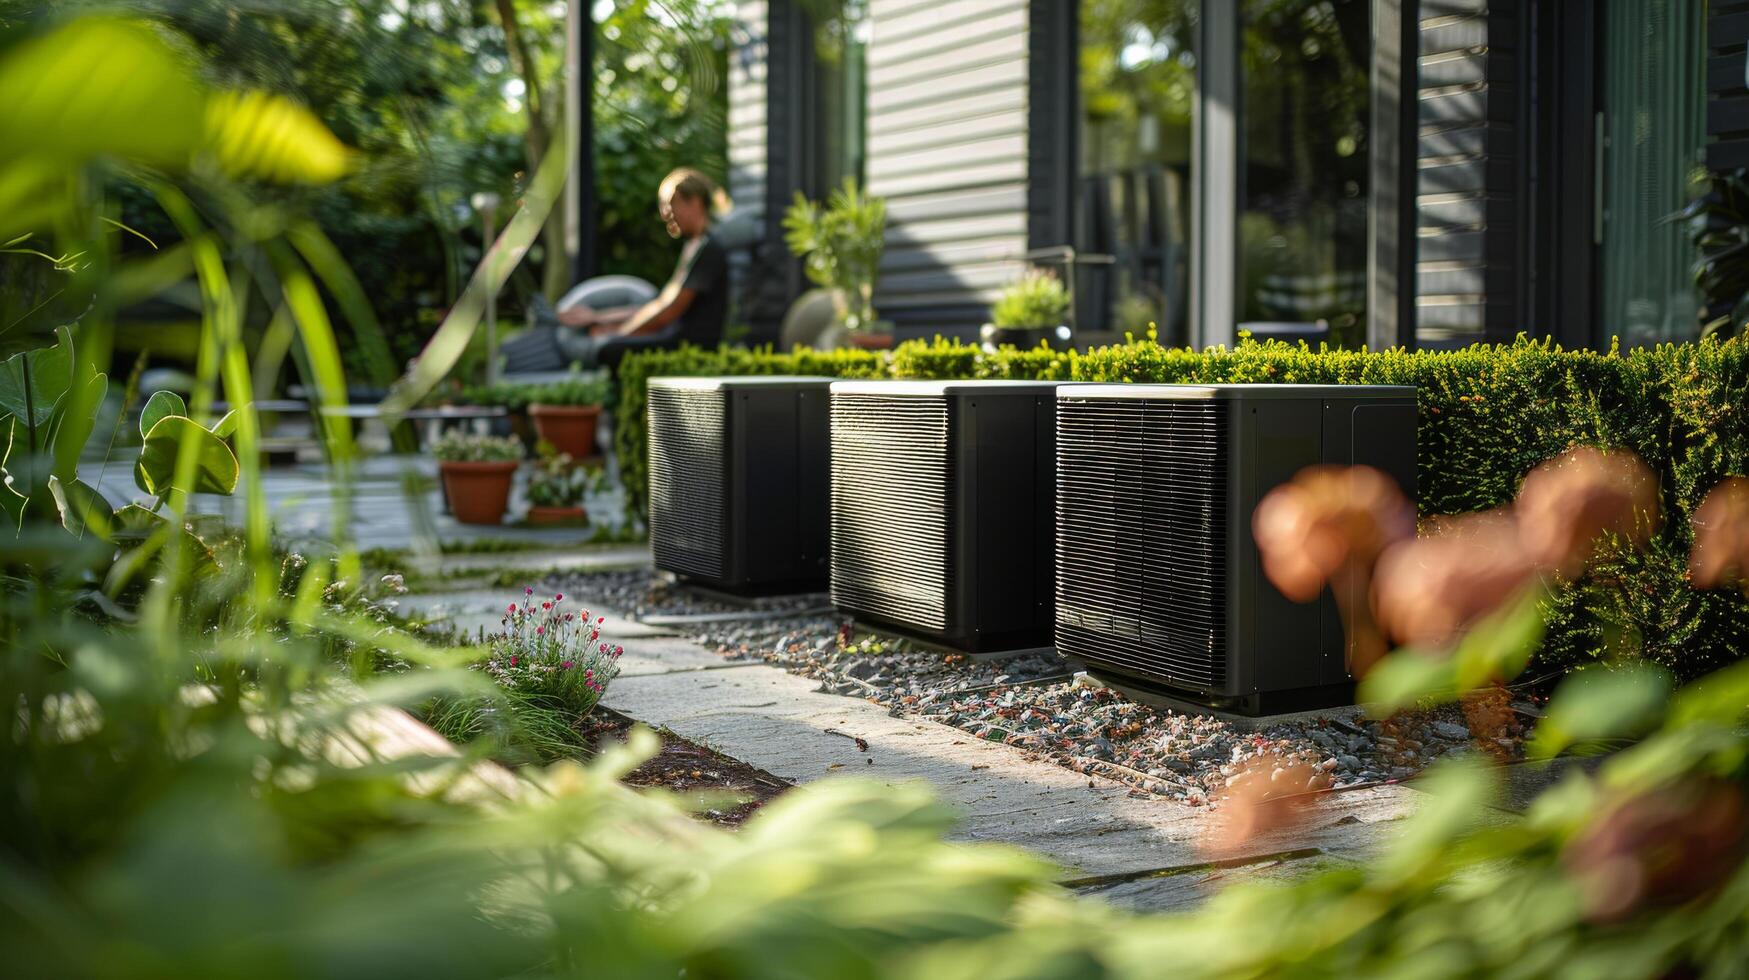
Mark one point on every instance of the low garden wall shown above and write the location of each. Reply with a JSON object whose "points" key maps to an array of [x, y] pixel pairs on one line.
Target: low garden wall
{"points": [[1488, 414]]}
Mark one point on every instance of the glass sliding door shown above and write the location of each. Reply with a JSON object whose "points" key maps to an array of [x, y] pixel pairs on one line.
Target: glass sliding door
{"points": [[1304, 167], [1653, 130], [1138, 92], [840, 131]]}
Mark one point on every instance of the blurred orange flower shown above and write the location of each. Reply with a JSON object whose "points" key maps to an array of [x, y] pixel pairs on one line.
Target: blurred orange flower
{"points": [[1267, 794], [1721, 537], [1568, 503], [1325, 519], [1428, 590], [1663, 847]]}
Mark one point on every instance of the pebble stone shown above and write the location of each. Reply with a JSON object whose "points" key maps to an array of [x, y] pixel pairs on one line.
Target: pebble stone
{"points": [[1033, 703]]}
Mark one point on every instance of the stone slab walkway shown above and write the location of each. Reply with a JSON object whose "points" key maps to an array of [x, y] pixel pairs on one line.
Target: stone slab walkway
{"points": [[1144, 852]]}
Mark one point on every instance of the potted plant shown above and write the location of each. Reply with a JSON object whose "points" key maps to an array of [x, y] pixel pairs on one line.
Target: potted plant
{"points": [[477, 473], [1034, 308], [557, 487], [565, 413], [840, 248]]}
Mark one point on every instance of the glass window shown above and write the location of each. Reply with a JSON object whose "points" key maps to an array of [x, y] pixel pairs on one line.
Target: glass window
{"points": [[1654, 133], [841, 30], [1304, 168], [1138, 96]]}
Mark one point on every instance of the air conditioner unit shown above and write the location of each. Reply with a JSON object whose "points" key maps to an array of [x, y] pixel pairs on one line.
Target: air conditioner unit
{"points": [[942, 496], [738, 481], [1159, 583]]}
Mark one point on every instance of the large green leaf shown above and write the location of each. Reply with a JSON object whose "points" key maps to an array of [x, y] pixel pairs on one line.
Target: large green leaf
{"points": [[160, 406], [84, 511], [100, 86], [76, 417], [50, 373], [215, 464], [258, 134], [1601, 703]]}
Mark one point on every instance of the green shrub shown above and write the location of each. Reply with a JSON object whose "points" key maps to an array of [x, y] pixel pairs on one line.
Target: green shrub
{"points": [[1035, 301], [1488, 414]]}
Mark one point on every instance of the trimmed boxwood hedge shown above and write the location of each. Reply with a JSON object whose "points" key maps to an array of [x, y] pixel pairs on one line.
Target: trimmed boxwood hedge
{"points": [[1488, 414]]}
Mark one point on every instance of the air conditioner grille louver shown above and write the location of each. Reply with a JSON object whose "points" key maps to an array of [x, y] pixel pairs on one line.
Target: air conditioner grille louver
{"points": [[688, 481], [1141, 536], [891, 487]]}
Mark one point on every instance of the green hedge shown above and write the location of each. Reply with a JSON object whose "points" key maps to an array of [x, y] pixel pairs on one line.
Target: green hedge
{"points": [[1488, 415]]}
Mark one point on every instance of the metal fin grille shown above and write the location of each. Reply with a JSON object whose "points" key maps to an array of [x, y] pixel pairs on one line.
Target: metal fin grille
{"points": [[688, 480], [892, 485], [1142, 537]]}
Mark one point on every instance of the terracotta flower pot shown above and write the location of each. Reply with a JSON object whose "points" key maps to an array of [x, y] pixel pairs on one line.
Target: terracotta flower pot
{"points": [[871, 341], [570, 428], [478, 492], [557, 515]]}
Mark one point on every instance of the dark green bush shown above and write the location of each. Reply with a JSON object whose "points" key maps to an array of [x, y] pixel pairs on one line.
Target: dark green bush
{"points": [[1489, 413]]}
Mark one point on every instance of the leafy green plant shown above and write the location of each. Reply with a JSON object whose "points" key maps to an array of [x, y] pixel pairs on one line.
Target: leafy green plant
{"points": [[166, 428], [576, 390], [1718, 225], [557, 480], [840, 247], [1036, 301], [458, 446]]}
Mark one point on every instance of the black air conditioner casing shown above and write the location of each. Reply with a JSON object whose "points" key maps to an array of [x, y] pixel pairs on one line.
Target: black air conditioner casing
{"points": [[739, 471], [942, 496], [1159, 583]]}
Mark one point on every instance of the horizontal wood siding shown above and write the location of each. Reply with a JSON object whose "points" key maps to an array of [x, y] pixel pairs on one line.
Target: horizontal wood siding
{"points": [[947, 148], [1727, 118], [748, 139]]}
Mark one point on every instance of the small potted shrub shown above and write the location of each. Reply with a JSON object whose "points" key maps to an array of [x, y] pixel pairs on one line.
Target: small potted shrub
{"points": [[477, 473], [551, 658], [840, 245], [565, 413], [1032, 309], [557, 487]]}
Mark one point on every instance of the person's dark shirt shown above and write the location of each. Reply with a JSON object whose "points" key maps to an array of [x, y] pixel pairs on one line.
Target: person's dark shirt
{"points": [[708, 278]]}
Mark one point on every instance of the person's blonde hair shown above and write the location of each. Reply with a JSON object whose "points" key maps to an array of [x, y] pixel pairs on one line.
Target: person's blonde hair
{"points": [[695, 185]]}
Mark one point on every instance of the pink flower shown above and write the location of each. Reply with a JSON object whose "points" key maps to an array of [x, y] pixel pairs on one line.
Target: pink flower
{"points": [[600, 619], [513, 660], [512, 607], [528, 591], [569, 664], [588, 673], [546, 605], [604, 648], [538, 630], [559, 598]]}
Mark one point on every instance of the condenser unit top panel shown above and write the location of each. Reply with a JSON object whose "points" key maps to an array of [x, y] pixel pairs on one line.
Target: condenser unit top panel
{"points": [[939, 388], [1227, 391], [769, 381]]}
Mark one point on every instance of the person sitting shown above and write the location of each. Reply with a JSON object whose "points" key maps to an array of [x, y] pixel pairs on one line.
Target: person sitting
{"points": [[690, 308]]}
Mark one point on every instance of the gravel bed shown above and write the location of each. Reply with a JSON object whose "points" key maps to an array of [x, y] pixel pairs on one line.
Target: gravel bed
{"points": [[1031, 703]]}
